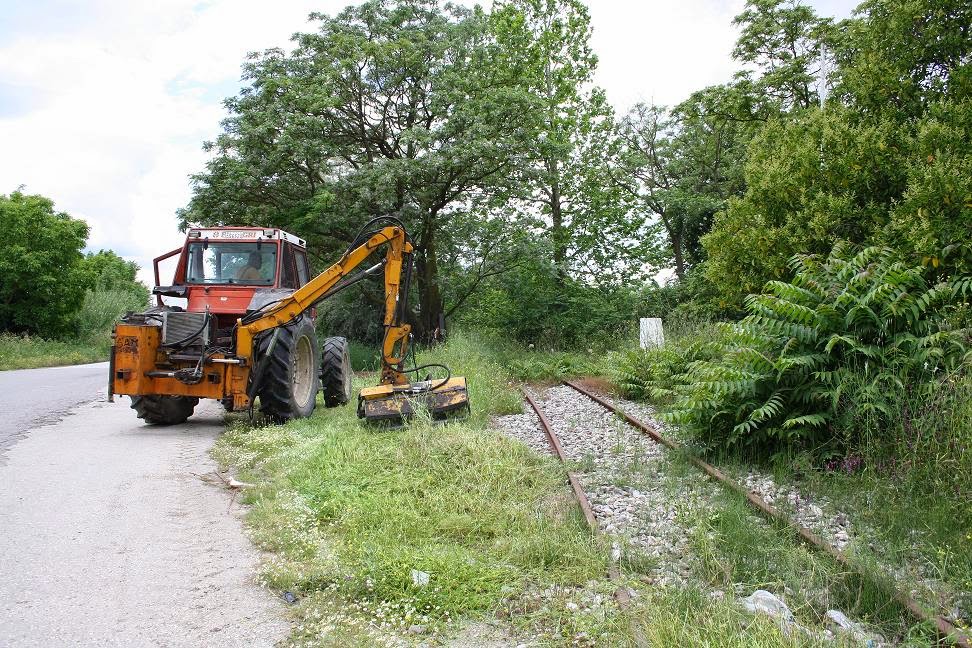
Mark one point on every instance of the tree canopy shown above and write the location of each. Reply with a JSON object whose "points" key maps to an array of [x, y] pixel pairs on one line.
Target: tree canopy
{"points": [[486, 133], [43, 277]]}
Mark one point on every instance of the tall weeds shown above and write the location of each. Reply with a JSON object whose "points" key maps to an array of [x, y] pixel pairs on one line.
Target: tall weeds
{"points": [[101, 309], [827, 358]]}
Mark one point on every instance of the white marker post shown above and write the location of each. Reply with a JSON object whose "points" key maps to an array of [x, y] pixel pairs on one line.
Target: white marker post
{"points": [[652, 334]]}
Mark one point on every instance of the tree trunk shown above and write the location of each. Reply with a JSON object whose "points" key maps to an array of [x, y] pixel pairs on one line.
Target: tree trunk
{"points": [[675, 238], [430, 297], [558, 235]]}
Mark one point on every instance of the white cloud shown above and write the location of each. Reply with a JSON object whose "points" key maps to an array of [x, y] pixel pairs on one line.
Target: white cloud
{"points": [[659, 51], [117, 109], [104, 104]]}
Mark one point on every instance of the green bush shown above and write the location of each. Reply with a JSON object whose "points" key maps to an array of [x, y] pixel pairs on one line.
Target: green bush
{"points": [[656, 374], [26, 352], [533, 306], [42, 280], [827, 355], [101, 309]]}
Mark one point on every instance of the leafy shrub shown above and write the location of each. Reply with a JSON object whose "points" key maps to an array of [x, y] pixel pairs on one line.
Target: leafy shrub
{"points": [[544, 365], [102, 307], [656, 374], [531, 305], [26, 352], [843, 341], [42, 282], [364, 356]]}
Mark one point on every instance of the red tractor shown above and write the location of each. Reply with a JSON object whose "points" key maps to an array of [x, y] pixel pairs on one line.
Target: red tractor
{"points": [[247, 331]]}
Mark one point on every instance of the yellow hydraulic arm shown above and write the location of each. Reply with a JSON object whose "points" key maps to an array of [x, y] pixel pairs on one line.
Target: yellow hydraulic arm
{"points": [[395, 345]]}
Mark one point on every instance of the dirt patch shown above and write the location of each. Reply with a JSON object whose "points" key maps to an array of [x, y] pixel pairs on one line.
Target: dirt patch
{"points": [[597, 384]]}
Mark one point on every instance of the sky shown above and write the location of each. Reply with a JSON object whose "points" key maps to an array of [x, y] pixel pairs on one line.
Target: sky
{"points": [[105, 104]]}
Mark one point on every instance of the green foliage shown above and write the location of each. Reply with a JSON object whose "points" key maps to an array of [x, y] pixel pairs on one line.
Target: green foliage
{"points": [[680, 166], [386, 107], [561, 186], [42, 281], [812, 180], [678, 617], [30, 352], [537, 366], [657, 374], [106, 270], [536, 306], [364, 357], [935, 210], [901, 56], [884, 162], [101, 308], [352, 512], [785, 40], [823, 358], [115, 289]]}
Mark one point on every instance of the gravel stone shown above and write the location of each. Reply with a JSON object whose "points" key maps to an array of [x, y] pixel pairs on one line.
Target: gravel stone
{"points": [[817, 515], [625, 475]]}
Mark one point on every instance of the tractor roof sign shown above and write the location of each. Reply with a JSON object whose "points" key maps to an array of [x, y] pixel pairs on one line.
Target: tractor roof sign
{"points": [[244, 234]]}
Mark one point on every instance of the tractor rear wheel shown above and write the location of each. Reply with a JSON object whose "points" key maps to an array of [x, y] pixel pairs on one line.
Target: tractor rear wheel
{"points": [[288, 386], [164, 410], [336, 372]]}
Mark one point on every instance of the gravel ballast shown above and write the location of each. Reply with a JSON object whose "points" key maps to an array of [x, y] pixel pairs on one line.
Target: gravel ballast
{"points": [[626, 476]]}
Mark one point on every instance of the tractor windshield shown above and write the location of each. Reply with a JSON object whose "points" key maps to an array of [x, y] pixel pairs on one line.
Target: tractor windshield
{"points": [[232, 263]]}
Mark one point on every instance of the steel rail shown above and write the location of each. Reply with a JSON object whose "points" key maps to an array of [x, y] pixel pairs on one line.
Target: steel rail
{"points": [[621, 594], [944, 627], [613, 572]]}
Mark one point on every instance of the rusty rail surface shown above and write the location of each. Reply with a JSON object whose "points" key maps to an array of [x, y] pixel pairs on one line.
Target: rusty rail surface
{"points": [[614, 573], [944, 627]]}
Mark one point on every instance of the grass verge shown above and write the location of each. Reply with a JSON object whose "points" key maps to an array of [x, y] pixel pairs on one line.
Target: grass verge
{"points": [[352, 514], [24, 352]]}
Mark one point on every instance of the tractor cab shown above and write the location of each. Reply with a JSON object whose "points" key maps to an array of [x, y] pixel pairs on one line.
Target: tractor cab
{"points": [[232, 270]]}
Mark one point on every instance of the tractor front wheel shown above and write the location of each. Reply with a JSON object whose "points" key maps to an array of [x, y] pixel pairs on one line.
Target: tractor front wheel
{"points": [[164, 410], [289, 382], [336, 372]]}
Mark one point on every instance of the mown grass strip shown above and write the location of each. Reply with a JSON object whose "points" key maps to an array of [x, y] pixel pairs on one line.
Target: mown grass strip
{"points": [[353, 512]]}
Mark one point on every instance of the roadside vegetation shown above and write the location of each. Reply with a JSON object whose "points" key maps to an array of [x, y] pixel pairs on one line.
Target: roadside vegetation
{"points": [[353, 514], [851, 382], [25, 352], [57, 304], [355, 517]]}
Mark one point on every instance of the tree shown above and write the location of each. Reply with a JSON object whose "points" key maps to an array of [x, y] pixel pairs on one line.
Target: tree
{"points": [[562, 182], [785, 42], [680, 166], [387, 107], [886, 161], [114, 288], [900, 56], [42, 283], [105, 270]]}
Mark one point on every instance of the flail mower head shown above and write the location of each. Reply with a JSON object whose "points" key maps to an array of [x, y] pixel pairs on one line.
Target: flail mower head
{"points": [[442, 399]]}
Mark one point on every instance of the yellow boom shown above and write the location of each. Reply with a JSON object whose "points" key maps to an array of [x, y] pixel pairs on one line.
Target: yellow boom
{"points": [[395, 395]]}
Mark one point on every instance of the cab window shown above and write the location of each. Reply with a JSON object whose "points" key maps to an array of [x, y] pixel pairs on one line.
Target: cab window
{"points": [[303, 272], [288, 270], [231, 263]]}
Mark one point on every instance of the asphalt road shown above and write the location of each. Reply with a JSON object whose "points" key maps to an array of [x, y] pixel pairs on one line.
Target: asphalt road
{"points": [[114, 533], [32, 397]]}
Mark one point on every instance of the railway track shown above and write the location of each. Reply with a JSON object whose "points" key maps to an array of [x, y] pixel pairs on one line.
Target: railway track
{"points": [[946, 630]]}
